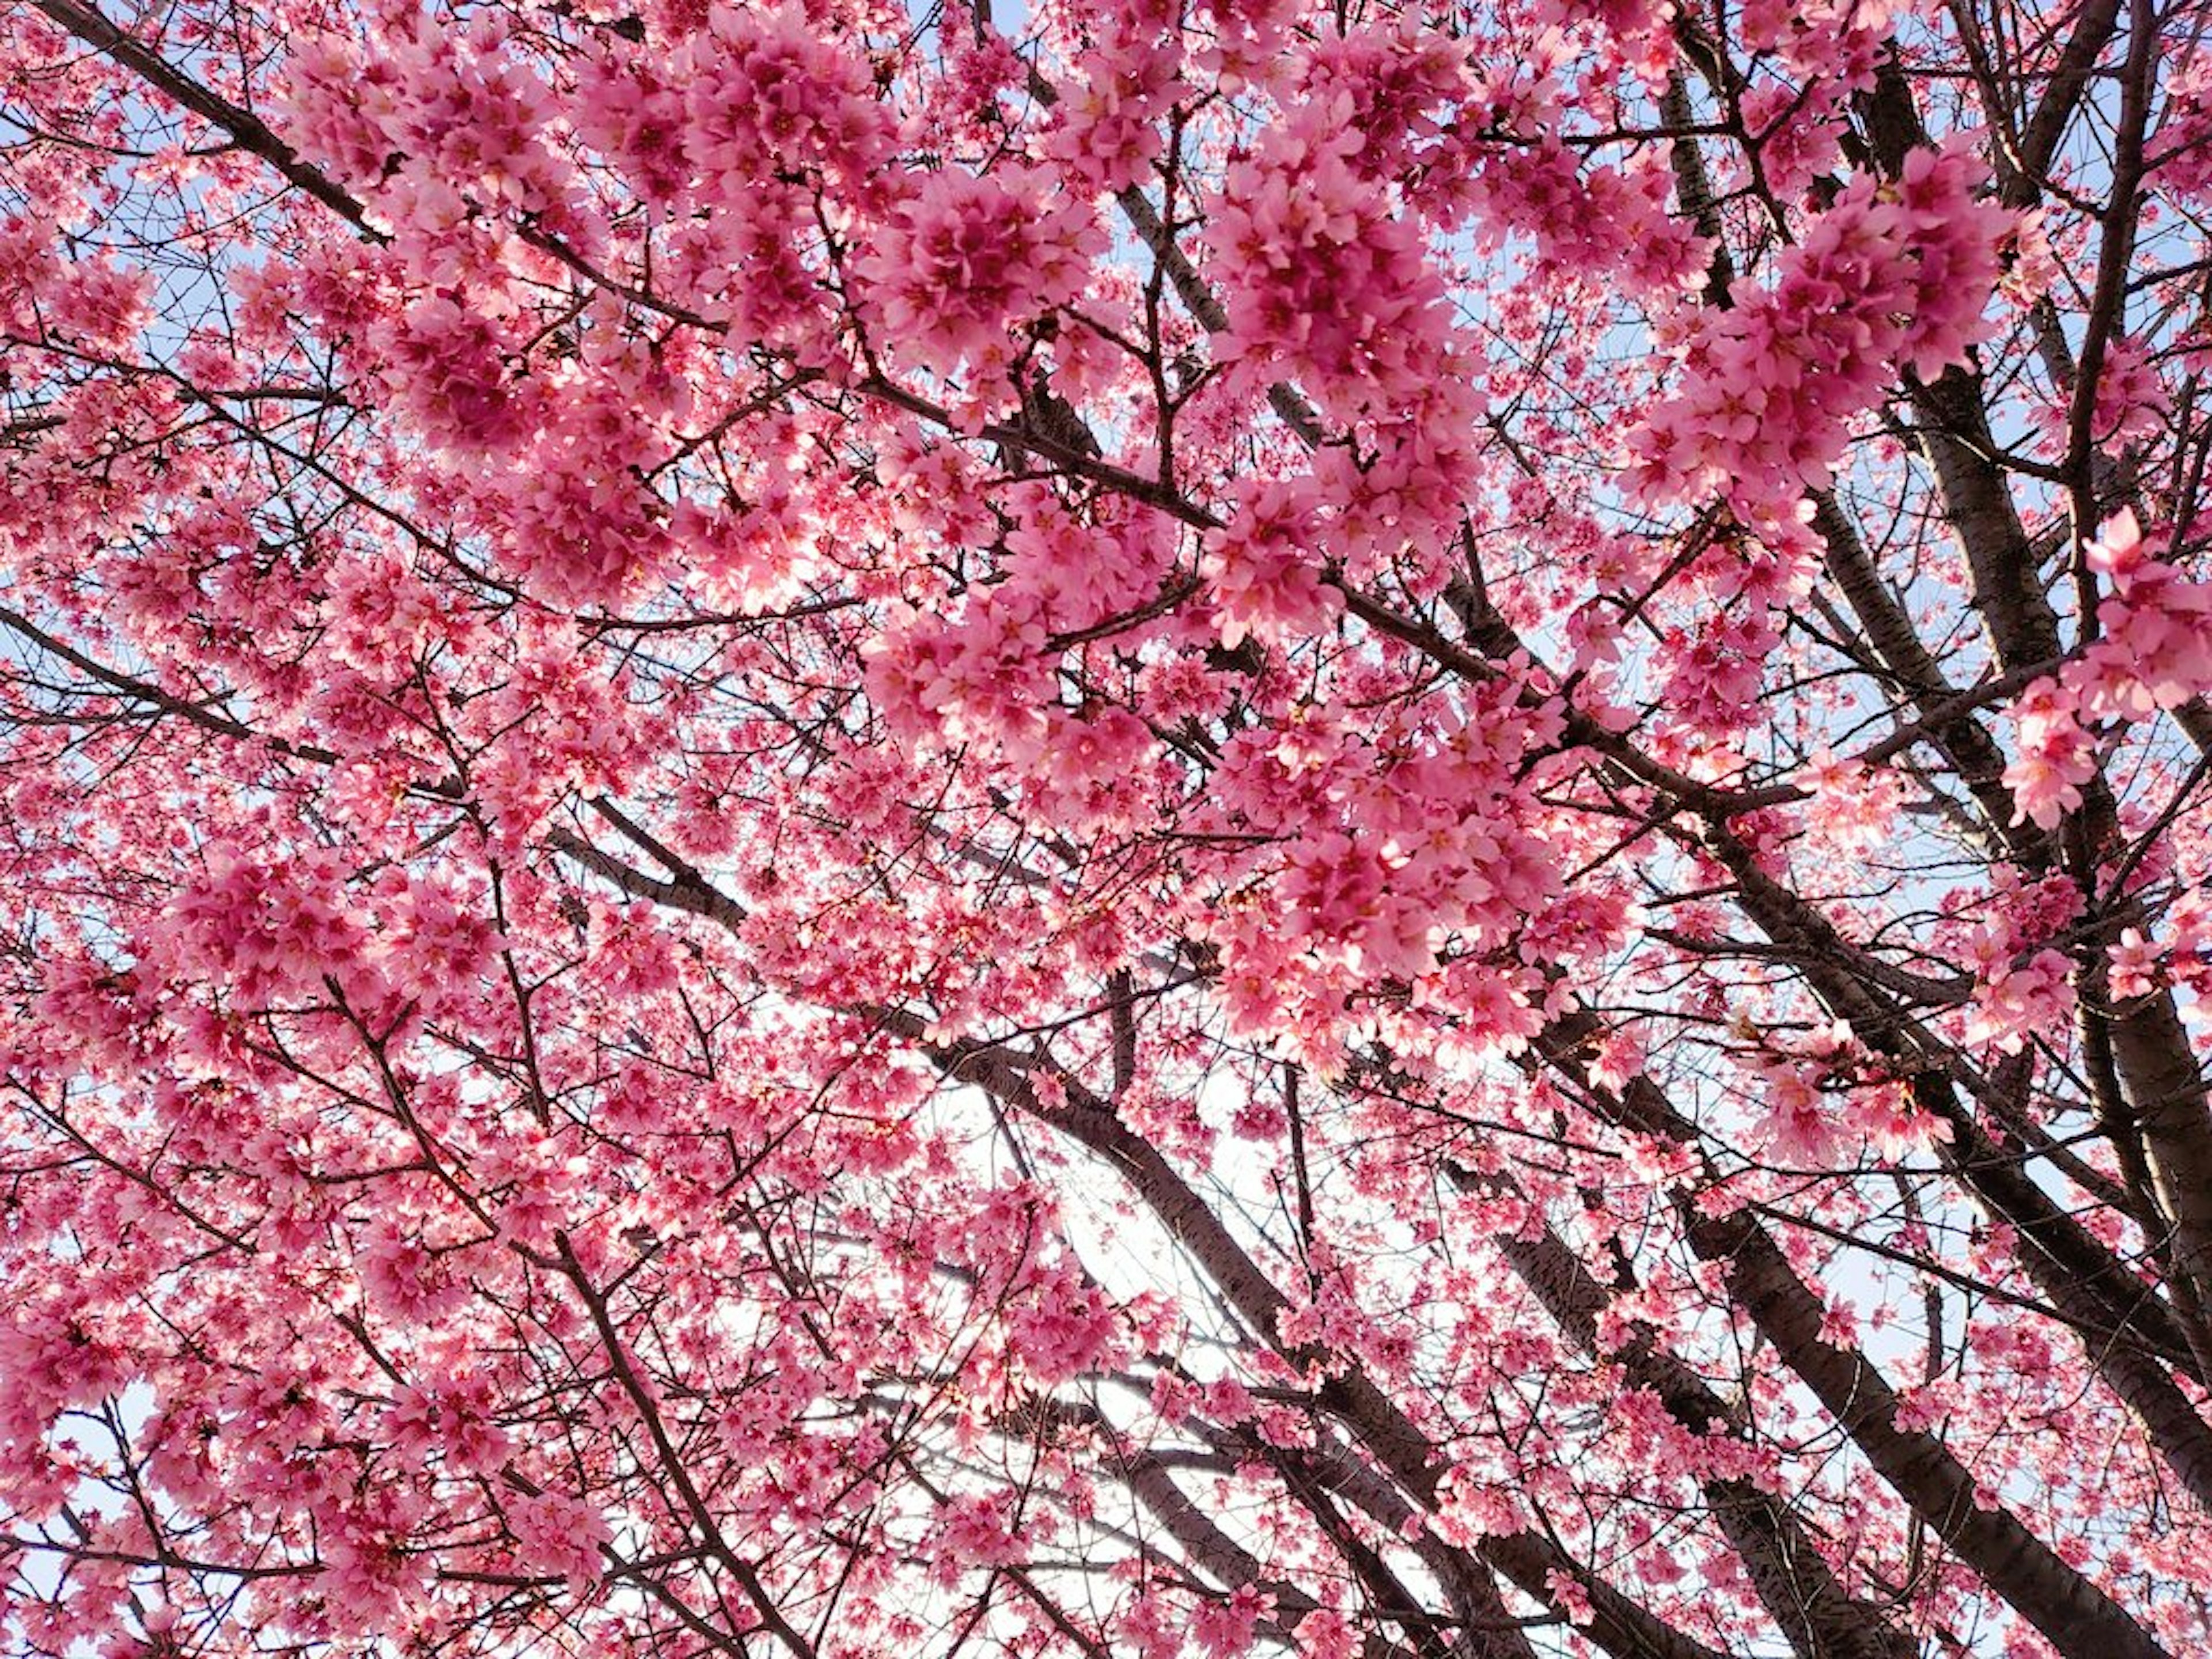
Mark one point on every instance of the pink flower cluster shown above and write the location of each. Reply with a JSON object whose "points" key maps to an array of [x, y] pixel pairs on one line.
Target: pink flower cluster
{"points": [[764, 89], [445, 112], [2053, 755], [445, 365], [967, 259], [1890, 278], [1853, 805], [2153, 651], [1391, 857], [1326, 282], [2015, 1002], [1405, 82], [1605, 221], [1105, 129], [267, 933], [558, 1532], [1264, 566], [975, 1529], [2182, 148], [578, 526]]}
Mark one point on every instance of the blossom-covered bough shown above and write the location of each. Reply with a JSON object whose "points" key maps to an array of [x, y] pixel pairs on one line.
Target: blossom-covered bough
{"points": [[1115, 829]]}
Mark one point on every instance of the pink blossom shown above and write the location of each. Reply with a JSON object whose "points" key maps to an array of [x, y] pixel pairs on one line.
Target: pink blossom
{"points": [[1261, 568], [2136, 964], [1223, 1629], [556, 1533], [966, 258], [2054, 757], [2016, 1004]]}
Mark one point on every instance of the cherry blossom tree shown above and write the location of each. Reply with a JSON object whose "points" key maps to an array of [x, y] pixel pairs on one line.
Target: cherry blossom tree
{"points": [[1122, 828]]}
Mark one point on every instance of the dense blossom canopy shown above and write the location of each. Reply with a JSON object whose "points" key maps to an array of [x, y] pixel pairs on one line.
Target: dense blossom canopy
{"points": [[837, 829]]}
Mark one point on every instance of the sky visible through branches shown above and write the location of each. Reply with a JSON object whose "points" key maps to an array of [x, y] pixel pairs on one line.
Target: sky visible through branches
{"points": [[847, 829]]}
